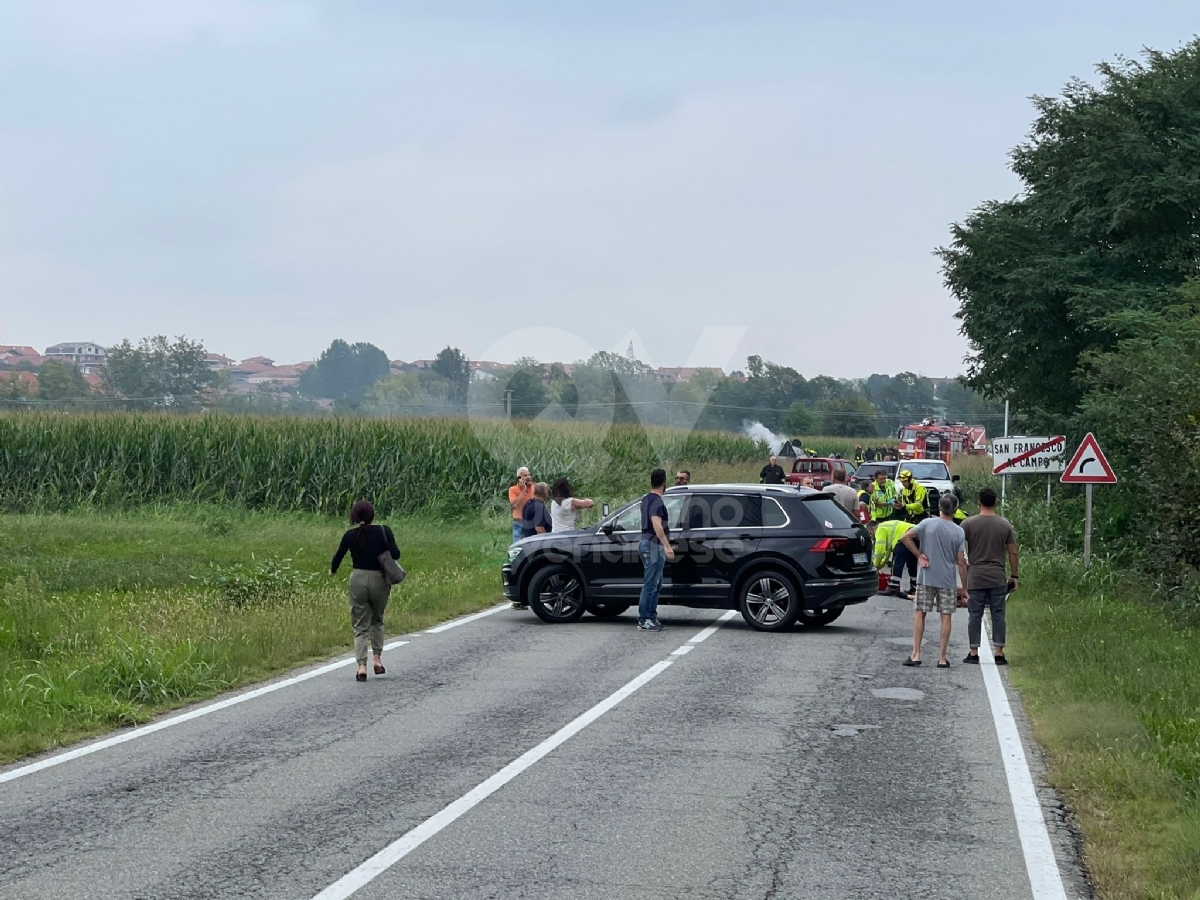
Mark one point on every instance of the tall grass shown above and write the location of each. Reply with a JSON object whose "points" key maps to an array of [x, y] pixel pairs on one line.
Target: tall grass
{"points": [[59, 461], [1112, 686], [106, 619]]}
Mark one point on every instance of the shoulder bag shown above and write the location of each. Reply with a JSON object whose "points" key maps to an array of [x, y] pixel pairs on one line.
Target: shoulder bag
{"points": [[393, 572]]}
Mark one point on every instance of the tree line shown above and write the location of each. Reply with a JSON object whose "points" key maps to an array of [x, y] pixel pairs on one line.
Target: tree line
{"points": [[605, 387]]}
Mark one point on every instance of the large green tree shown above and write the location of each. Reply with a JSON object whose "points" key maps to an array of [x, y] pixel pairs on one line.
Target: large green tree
{"points": [[1108, 221], [1143, 401], [160, 372], [345, 370], [58, 380], [452, 365]]}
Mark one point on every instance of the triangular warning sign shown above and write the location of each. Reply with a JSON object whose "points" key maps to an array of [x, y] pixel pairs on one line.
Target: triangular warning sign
{"points": [[1089, 465]]}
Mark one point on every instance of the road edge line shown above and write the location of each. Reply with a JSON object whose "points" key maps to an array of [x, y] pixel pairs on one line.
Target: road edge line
{"points": [[179, 719], [376, 865], [1041, 865]]}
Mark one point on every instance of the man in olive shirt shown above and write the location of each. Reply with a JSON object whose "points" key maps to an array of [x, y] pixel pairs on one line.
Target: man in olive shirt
{"points": [[773, 473], [989, 539]]}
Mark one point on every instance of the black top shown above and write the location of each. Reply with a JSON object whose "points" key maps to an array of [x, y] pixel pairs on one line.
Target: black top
{"points": [[653, 505], [365, 552], [772, 475], [533, 515]]}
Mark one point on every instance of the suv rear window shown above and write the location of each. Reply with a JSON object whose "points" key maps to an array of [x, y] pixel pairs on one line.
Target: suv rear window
{"points": [[827, 512]]}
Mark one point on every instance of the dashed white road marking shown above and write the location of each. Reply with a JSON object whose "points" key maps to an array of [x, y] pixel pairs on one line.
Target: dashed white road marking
{"points": [[454, 623], [410, 841], [1044, 876]]}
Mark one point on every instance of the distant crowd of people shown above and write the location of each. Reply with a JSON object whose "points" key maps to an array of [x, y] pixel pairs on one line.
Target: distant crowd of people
{"points": [[935, 550], [882, 453]]}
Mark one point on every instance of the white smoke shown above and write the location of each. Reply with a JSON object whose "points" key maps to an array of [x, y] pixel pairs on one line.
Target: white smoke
{"points": [[757, 431]]}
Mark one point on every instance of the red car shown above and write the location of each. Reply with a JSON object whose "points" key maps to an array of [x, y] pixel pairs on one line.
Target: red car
{"points": [[818, 471]]}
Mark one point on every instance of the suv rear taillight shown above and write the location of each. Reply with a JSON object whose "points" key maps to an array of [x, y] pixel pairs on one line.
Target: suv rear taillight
{"points": [[830, 545]]}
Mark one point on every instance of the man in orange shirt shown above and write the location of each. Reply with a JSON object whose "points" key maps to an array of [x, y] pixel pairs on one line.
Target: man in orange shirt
{"points": [[518, 495]]}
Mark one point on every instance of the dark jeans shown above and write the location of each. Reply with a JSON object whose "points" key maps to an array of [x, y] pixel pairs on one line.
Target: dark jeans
{"points": [[902, 559], [995, 599], [654, 560]]}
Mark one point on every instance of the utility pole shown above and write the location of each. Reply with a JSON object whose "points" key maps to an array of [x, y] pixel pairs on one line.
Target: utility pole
{"points": [[1004, 478], [508, 404]]}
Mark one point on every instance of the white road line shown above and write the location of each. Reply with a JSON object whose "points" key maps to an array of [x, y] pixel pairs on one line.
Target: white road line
{"points": [[454, 623], [1044, 877], [88, 749], [406, 843]]}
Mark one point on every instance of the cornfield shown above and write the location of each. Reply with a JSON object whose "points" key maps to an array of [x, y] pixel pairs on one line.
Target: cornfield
{"points": [[56, 461]]}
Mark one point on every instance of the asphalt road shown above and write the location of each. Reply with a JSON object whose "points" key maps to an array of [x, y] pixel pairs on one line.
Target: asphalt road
{"points": [[752, 766]]}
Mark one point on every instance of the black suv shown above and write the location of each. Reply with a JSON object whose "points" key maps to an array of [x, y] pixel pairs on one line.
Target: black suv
{"points": [[779, 554]]}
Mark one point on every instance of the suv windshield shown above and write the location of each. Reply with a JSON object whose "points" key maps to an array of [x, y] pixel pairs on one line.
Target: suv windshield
{"points": [[928, 470], [868, 470]]}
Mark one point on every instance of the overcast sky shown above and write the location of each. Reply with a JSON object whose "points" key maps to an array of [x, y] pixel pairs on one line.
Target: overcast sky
{"points": [[268, 176]]}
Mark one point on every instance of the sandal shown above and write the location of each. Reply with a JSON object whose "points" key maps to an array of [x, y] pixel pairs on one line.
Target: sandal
{"points": [[944, 665], [360, 676], [911, 662], [379, 669]]}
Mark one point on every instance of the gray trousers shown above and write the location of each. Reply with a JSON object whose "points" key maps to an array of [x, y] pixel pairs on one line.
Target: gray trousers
{"points": [[995, 599], [368, 599]]}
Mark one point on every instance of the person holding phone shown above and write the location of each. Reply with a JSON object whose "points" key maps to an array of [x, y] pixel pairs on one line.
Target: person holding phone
{"points": [[990, 538]]}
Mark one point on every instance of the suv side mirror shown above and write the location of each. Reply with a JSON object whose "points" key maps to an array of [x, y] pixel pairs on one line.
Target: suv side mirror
{"points": [[604, 506], [956, 478]]}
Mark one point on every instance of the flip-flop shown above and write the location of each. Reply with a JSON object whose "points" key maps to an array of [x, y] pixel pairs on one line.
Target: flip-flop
{"points": [[911, 662], [379, 670], [360, 676], [944, 665]]}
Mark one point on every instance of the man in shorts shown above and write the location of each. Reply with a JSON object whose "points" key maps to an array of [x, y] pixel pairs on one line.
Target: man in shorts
{"points": [[941, 553]]}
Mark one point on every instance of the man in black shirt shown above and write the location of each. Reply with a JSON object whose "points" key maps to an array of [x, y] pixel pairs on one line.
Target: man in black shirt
{"points": [[654, 549], [535, 518], [772, 473]]}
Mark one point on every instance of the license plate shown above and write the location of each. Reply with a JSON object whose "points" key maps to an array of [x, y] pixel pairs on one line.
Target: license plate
{"points": [[860, 559]]}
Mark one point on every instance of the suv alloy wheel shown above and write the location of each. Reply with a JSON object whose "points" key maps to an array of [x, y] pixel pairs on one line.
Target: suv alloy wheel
{"points": [[556, 594], [769, 601]]}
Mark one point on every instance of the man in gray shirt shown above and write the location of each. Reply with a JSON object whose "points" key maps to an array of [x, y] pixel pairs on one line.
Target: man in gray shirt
{"points": [[845, 495], [942, 551]]}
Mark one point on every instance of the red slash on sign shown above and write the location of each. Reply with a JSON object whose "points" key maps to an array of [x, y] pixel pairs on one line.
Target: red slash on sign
{"points": [[1034, 451]]}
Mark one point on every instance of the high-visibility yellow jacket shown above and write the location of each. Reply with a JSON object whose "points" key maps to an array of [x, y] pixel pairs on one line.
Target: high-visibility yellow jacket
{"points": [[914, 500], [887, 536], [885, 495]]}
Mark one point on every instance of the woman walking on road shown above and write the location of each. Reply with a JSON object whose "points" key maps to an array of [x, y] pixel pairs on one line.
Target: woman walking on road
{"points": [[564, 509], [369, 587]]}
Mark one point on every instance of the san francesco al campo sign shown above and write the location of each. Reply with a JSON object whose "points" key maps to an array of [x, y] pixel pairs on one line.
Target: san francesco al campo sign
{"points": [[1022, 455]]}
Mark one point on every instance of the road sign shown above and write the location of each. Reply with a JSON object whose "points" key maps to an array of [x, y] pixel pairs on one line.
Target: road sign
{"points": [[1028, 455], [1088, 465]]}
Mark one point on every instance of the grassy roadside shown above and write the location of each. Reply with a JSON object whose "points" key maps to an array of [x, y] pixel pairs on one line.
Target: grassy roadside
{"points": [[108, 619], [1112, 687]]}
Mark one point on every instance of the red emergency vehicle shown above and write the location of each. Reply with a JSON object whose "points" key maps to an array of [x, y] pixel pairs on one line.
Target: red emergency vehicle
{"points": [[939, 439]]}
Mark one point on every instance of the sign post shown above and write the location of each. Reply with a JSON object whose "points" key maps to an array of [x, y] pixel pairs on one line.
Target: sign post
{"points": [[1088, 466]]}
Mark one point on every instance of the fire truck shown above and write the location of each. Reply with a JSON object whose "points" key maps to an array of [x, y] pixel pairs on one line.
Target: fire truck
{"points": [[939, 439]]}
